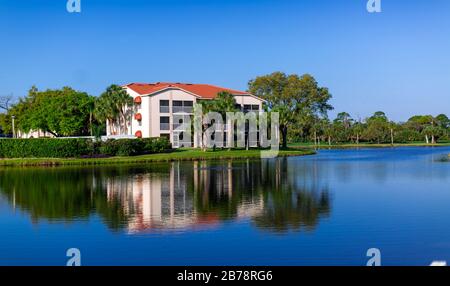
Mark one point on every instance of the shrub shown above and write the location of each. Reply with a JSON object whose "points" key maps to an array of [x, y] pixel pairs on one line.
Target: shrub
{"points": [[129, 147], [108, 147], [156, 145], [77, 147], [44, 148]]}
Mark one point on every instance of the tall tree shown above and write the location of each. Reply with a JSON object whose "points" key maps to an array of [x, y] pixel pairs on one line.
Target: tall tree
{"points": [[114, 106], [223, 103], [378, 128], [443, 121], [424, 124], [293, 97], [61, 112]]}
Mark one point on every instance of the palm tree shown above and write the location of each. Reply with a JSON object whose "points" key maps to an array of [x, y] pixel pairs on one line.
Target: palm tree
{"points": [[223, 103], [104, 111], [90, 104], [114, 106]]}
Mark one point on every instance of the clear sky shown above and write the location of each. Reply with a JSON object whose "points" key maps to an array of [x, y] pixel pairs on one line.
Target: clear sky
{"points": [[397, 61]]}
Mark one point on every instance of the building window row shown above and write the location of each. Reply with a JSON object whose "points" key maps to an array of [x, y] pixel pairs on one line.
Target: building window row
{"points": [[178, 106], [251, 108]]}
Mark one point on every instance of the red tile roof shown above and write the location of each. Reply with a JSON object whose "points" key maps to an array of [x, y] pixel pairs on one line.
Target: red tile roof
{"points": [[205, 91]]}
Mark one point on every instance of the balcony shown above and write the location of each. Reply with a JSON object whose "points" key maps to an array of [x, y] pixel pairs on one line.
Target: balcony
{"points": [[182, 109], [164, 126], [180, 126], [164, 109]]}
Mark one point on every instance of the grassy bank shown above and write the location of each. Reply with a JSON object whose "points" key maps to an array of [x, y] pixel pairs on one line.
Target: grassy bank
{"points": [[366, 145], [177, 155]]}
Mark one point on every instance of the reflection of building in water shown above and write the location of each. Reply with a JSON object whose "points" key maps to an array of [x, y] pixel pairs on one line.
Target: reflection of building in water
{"points": [[200, 194], [152, 200], [272, 194], [162, 201]]}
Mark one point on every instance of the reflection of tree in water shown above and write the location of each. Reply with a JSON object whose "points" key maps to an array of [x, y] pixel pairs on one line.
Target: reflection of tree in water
{"points": [[287, 206], [65, 194], [172, 194], [292, 209], [267, 187], [48, 193]]}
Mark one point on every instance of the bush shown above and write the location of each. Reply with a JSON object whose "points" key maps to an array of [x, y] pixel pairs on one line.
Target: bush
{"points": [[43, 148], [156, 145], [122, 147], [67, 148]]}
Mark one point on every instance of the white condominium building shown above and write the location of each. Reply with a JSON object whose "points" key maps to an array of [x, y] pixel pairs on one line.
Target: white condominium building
{"points": [[159, 108]]}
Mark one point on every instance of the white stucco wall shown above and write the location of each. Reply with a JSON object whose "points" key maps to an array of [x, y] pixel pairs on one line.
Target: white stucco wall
{"points": [[170, 95], [150, 110], [248, 99]]}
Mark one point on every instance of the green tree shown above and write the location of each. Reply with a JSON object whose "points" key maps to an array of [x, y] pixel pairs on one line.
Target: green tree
{"points": [[114, 106], [420, 123], [342, 127], [224, 102], [443, 121], [378, 128], [61, 112], [357, 130], [294, 97], [433, 132]]}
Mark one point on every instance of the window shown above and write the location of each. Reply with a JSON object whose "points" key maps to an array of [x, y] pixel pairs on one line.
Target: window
{"points": [[164, 123], [251, 108], [188, 106], [164, 106], [182, 106], [177, 106]]}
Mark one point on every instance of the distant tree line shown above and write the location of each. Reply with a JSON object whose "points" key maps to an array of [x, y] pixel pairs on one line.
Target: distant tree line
{"points": [[374, 129], [303, 106]]}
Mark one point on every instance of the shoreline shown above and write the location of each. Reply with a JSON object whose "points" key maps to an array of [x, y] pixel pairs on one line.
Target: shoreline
{"points": [[177, 155], [358, 146], [294, 150]]}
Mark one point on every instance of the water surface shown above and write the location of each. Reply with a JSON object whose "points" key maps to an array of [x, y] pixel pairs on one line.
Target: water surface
{"points": [[326, 209]]}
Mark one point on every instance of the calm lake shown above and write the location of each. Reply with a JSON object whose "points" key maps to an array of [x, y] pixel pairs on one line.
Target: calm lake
{"points": [[327, 209]]}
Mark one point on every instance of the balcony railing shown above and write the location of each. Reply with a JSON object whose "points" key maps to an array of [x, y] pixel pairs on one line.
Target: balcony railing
{"points": [[164, 109], [178, 126], [182, 109], [164, 126]]}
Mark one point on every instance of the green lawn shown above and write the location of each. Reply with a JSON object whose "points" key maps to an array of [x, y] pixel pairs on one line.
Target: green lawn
{"points": [[177, 155]]}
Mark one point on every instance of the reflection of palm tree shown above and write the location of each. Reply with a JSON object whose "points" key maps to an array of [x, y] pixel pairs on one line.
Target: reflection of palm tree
{"points": [[292, 209], [212, 192], [285, 205]]}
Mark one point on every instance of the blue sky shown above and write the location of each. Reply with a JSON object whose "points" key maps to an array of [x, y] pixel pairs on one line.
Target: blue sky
{"points": [[397, 61]]}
